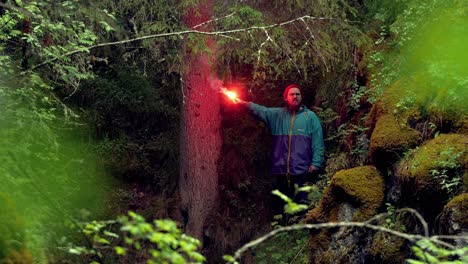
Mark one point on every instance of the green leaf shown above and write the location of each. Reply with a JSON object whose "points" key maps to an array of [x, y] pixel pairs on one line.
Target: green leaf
{"points": [[106, 26], [292, 208], [74, 251], [413, 261], [282, 196], [103, 241], [120, 250], [111, 234]]}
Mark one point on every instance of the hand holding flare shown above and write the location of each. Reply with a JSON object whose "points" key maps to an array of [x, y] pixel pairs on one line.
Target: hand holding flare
{"points": [[231, 95]]}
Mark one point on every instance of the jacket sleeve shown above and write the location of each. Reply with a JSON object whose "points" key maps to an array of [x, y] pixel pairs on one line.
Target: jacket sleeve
{"points": [[261, 112], [318, 148]]}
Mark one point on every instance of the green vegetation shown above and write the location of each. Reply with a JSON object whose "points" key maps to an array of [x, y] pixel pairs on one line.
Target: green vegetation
{"points": [[134, 238], [290, 247], [427, 252]]}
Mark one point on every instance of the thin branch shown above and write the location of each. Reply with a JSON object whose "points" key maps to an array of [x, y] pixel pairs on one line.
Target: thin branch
{"points": [[410, 237], [410, 210], [260, 47], [179, 33], [313, 38], [228, 37], [451, 237]]}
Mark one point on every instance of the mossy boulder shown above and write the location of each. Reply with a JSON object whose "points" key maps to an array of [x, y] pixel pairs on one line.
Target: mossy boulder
{"points": [[392, 135], [353, 195], [454, 217], [362, 187], [390, 139], [436, 163]]}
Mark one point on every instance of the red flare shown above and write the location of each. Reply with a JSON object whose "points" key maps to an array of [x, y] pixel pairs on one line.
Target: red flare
{"points": [[230, 94]]}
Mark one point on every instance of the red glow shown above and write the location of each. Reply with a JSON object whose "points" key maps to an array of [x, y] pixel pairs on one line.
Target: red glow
{"points": [[230, 94]]}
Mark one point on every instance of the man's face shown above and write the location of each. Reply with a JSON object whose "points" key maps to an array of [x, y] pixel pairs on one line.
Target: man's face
{"points": [[293, 98]]}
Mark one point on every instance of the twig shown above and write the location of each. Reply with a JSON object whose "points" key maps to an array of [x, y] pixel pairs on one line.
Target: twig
{"points": [[300, 250], [451, 237], [260, 47]]}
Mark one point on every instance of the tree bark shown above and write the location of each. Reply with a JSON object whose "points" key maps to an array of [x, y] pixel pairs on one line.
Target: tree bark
{"points": [[200, 144]]}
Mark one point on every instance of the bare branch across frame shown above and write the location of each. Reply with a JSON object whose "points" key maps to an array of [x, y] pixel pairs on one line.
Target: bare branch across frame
{"points": [[224, 33]]}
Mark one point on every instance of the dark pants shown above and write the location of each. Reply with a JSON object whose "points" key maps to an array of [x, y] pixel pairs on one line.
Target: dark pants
{"points": [[286, 185], [287, 188]]}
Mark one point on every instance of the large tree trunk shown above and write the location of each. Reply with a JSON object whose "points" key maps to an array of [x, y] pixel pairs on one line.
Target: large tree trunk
{"points": [[200, 130]]}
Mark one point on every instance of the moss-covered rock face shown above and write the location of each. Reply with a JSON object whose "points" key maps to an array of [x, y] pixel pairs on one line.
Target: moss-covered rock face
{"points": [[435, 164], [363, 186], [390, 139], [454, 217], [353, 195]]}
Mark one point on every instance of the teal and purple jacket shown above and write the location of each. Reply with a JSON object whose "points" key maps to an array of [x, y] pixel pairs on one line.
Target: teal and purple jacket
{"points": [[297, 138]]}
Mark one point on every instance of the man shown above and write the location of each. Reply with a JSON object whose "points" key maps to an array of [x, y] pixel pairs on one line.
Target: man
{"points": [[298, 147]]}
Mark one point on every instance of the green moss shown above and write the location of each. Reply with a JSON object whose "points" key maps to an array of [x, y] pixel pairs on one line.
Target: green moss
{"points": [[387, 248], [459, 206], [429, 157], [390, 138], [322, 213], [361, 186], [365, 186]]}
